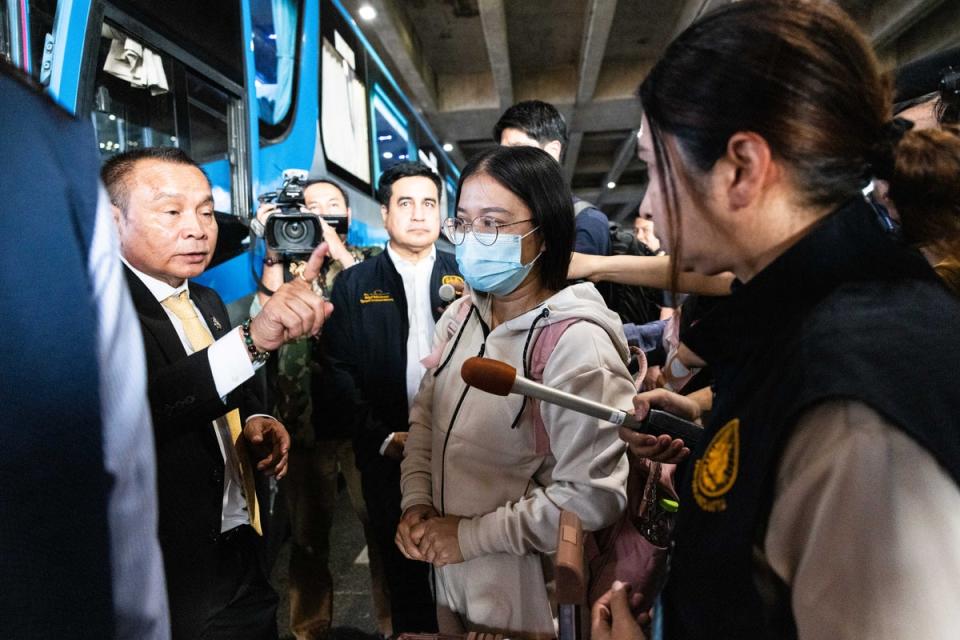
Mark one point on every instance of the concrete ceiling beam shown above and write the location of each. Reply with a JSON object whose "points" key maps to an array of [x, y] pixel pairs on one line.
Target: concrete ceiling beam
{"points": [[625, 153], [393, 29], [688, 14], [596, 31], [476, 124], [892, 18], [573, 153], [493, 17], [623, 195], [626, 211]]}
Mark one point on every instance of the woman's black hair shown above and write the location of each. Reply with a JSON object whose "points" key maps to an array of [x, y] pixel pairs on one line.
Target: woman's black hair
{"points": [[800, 74], [534, 176]]}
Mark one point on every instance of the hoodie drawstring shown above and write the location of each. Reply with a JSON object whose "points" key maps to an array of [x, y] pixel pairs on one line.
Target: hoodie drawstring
{"points": [[526, 365]]}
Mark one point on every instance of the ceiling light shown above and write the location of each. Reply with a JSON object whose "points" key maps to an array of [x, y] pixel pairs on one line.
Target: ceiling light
{"points": [[366, 12], [387, 155], [611, 185], [447, 147]]}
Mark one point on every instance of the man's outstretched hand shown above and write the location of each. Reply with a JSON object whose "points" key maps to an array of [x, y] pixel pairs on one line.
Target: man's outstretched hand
{"points": [[294, 310]]}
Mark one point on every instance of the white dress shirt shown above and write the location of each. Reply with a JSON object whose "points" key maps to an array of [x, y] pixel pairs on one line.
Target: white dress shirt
{"points": [[416, 289], [231, 367], [139, 589]]}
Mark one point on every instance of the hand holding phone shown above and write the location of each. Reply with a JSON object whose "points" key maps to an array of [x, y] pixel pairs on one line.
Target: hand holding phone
{"points": [[666, 433]]}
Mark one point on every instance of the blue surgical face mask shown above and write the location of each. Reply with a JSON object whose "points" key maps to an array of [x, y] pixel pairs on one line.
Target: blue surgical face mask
{"points": [[497, 268]]}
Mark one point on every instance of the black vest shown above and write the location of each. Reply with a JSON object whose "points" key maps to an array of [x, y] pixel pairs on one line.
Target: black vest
{"points": [[846, 313]]}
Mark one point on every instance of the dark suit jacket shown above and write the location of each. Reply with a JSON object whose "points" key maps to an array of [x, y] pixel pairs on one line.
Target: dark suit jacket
{"points": [[190, 468]]}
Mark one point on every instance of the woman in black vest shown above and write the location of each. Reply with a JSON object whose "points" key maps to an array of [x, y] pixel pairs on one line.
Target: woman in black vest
{"points": [[823, 500]]}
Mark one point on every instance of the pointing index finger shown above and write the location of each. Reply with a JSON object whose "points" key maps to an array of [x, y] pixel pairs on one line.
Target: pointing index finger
{"points": [[315, 262]]}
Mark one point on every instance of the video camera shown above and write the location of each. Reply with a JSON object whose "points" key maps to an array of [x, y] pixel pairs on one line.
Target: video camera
{"points": [[293, 231]]}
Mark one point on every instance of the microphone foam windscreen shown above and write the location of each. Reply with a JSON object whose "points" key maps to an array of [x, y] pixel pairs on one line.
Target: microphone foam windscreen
{"points": [[489, 375]]}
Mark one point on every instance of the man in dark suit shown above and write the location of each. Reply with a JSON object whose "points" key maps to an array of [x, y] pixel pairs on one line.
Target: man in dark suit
{"points": [[387, 307], [207, 421]]}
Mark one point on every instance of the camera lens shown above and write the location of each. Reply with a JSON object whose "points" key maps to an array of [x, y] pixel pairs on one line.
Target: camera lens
{"points": [[294, 230]]}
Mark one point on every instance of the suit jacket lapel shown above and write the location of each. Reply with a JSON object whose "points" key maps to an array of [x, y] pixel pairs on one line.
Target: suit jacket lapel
{"points": [[211, 312], [153, 319]]}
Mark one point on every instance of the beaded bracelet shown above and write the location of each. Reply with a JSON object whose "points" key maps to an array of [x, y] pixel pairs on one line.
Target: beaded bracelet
{"points": [[256, 356]]}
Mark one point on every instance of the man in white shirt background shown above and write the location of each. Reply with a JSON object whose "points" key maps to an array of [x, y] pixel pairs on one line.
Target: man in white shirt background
{"points": [[386, 310]]}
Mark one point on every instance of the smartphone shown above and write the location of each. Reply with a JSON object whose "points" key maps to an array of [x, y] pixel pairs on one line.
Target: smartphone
{"points": [[658, 423]]}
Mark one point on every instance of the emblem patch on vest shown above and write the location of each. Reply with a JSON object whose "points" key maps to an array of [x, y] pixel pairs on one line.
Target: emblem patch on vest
{"points": [[715, 473], [376, 296]]}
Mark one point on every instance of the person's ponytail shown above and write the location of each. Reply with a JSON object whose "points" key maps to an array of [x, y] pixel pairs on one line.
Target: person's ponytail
{"points": [[925, 188]]}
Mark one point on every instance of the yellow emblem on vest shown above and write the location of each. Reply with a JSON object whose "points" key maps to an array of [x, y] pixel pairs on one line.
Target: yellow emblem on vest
{"points": [[452, 280], [376, 296], [715, 473]]}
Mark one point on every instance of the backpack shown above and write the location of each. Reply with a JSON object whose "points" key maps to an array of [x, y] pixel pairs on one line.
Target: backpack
{"points": [[637, 305]]}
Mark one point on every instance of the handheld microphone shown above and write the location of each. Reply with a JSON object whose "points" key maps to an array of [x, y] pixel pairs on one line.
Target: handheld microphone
{"points": [[499, 378]]}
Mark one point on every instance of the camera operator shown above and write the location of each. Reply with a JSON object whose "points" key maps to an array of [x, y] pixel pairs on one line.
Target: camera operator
{"points": [[321, 445]]}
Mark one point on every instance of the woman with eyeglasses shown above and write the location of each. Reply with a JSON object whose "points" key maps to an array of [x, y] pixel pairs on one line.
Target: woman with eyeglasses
{"points": [[823, 501], [484, 480]]}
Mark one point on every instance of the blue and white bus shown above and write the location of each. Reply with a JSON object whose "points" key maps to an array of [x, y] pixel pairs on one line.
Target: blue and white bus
{"points": [[249, 88]]}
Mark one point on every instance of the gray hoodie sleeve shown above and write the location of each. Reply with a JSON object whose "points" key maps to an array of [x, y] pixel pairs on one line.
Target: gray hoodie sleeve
{"points": [[590, 471]]}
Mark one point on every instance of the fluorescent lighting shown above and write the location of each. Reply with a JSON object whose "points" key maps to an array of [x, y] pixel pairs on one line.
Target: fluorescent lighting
{"points": [[366, 12], [611, 185], [447, 147]]}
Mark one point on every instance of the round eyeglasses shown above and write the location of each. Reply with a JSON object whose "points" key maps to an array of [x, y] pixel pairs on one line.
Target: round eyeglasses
{"points": [[485, 230]]}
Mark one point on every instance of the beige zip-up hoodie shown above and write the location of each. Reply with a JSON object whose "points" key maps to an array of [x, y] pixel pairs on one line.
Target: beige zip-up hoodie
{"points": [[463, 458]]}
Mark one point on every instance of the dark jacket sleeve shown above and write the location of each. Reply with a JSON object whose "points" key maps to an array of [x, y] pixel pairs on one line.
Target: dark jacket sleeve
{"points": [[343, 371]]}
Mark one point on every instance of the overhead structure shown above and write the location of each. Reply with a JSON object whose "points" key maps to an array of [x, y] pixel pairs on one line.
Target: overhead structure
{"points": [[465, 61]]}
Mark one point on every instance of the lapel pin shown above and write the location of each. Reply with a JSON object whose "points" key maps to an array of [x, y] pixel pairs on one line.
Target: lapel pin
{"points": [[217, 325]]}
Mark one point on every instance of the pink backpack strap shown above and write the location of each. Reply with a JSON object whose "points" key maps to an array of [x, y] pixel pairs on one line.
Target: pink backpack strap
{"points": [[433, 360], [543, 348]]}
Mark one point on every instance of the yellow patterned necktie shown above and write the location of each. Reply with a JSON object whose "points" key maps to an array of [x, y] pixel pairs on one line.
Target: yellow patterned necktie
{"points": [[200, 338]]}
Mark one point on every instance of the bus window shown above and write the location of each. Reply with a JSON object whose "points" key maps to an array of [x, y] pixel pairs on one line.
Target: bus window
{"points": [[344, 108], [275, 28], [133, 111], [145, 94], [207, 114], [391, 141]]}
